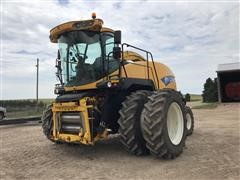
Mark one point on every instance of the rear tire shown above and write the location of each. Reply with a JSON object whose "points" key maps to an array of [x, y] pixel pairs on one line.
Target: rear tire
{"points": [[189, 120], [163, 124], [129, 123]]}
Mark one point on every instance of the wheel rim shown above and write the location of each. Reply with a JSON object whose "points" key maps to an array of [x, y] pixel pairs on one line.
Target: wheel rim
{"points": [[175, 123], [189, 121]]}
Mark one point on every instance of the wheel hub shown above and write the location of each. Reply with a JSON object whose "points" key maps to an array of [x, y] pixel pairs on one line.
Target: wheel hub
{"points": [[175, 123]]}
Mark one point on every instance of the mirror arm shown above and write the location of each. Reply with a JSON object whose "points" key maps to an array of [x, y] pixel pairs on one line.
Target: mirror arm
{"points": [[59, 68]]}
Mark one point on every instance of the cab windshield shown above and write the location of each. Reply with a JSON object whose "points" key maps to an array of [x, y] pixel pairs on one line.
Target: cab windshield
{"points": [[84, 56]]}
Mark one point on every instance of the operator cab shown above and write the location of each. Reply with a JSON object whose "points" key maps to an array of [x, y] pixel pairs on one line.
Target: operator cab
{"points": [[85, 52], [84, 56]]}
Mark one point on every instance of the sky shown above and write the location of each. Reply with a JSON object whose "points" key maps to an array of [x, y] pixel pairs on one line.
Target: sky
{"points": [[191, 37]]}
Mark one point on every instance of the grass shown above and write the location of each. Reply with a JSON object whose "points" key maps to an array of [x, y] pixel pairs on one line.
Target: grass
{"points": [[196, 97], [47, 101], [196, 103], [24, 113], [25, 108], [206, 106], [18, 111]]}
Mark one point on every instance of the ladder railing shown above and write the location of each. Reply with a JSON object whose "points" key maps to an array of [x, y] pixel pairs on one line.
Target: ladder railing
{"points": [[147, 58]]}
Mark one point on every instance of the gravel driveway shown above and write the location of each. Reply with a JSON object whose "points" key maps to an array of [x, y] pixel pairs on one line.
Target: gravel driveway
{"points": [[212, 152]]}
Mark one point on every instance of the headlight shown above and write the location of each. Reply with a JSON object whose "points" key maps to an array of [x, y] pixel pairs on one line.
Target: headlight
{"points": [[109, 84], [59, 89]]}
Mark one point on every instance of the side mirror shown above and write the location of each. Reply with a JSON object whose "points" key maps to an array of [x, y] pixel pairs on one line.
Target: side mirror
{"points": [[58, 61], [58, 64], [116, 52], [117, 37]]}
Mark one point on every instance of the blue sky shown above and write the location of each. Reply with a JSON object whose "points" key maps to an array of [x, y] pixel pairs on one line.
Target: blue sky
{"points": [[192, 38]]}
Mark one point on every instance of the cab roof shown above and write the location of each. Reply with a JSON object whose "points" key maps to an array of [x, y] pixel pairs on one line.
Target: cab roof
{"points": [[91, 25]]}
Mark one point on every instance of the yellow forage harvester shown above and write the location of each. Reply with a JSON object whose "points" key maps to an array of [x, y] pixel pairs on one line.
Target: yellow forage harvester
{"points": [[106, 87]]}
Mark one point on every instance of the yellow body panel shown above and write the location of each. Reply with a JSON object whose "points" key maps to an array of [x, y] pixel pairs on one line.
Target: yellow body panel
{"points": [[136, 69], [83, 87], [83, 138], [68, 107], [139, 70], [133, 56]]}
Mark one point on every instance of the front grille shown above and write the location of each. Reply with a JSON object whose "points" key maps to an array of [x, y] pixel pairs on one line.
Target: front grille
{"points": [[72, 122]]}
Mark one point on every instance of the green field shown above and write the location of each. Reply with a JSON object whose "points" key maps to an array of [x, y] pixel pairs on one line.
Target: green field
{"points": [[29, 107], [47, 101], [205, 106], [196, 103], [25, 107], [196, 97]]}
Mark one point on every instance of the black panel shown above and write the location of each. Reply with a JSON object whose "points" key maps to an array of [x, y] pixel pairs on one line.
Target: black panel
{"points": [[133, 84], [112, 105], [70, 97]]}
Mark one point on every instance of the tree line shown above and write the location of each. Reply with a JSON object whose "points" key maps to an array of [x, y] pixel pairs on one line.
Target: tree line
{"points": [[210, 91]]}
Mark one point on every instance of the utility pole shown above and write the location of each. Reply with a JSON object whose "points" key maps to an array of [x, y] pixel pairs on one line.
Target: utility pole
{"points": [[37, 79]]}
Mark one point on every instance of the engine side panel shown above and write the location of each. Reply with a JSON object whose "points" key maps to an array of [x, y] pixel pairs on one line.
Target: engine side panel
{"points": [[165, 75]]}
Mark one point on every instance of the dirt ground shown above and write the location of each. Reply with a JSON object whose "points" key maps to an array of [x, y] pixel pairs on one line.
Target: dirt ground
{"points": [[212, 152]]}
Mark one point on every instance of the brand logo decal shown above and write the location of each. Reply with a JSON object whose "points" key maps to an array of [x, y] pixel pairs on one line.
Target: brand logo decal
{"points": [[168, 79]]}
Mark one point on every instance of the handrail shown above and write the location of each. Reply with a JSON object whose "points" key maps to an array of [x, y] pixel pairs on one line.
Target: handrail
{"points": [[154, 67], [147, 58]]}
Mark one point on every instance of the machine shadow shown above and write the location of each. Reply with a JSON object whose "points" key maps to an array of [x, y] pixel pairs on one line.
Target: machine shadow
{"points": [[111, 147]]}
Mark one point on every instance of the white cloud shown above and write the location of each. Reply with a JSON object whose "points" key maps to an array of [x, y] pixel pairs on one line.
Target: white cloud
{"points": [[191, 38]]}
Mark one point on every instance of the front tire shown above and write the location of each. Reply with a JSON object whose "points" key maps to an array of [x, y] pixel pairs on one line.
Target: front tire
{"points": [[47, 123], [163, 124], [129, 123], [1, 116]]}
